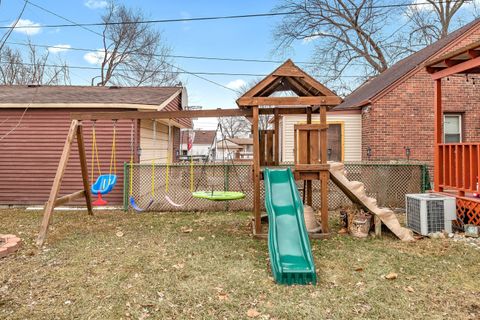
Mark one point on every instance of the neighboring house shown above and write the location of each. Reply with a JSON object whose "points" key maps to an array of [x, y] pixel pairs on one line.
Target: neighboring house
{"points": [[227, 150], [34, 122], [246, 148], [201, 146], [397, 106], [344, 135]]}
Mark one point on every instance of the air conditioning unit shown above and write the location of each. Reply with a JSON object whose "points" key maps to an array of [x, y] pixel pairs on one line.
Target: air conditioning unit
{"points": [[429, 212]]}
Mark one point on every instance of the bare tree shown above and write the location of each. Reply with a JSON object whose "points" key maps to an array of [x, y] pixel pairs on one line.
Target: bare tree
{"points": [[133, 54], [349, 35], [234, 127], [433, 20], [34, 68]]}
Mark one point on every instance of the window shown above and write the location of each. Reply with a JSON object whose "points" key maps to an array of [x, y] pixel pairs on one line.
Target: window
{"points": [[452, 128]]}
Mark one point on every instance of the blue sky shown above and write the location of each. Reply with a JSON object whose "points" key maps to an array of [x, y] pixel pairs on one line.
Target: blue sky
{"points": [[241, 38]]}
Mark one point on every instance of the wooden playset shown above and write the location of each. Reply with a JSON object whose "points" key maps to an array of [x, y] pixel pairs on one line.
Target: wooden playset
{"points": [[310, 142]]}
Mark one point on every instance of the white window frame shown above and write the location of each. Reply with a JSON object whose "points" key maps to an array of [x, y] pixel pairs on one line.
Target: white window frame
{"points": [[460, 125]]}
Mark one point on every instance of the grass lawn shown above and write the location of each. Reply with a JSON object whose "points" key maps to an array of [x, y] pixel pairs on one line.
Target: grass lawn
{"points": [[207, 266]]}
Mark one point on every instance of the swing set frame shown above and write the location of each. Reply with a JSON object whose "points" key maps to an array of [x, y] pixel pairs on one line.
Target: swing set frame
{"points": [[312, 97]]}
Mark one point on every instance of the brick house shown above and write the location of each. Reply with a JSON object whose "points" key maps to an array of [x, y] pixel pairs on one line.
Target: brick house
{"points": [[397, 105]]}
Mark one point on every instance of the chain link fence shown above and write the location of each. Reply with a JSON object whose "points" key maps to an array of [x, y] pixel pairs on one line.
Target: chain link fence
{"points": [[388, 183]]}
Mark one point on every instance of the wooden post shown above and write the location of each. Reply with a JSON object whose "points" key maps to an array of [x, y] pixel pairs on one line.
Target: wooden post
{"points": [[256, 172], [324, 174], [84, 167], [277, 136], [57, 182], [378, 226], [438, 114], [309, 191]]}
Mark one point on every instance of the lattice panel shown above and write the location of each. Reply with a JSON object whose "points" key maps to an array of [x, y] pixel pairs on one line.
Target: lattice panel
{"points": [[388, 183], [468, 212]]}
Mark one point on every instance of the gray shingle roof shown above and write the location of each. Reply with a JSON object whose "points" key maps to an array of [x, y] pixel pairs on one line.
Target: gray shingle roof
{"points": [[86, 94], [370, 89]]}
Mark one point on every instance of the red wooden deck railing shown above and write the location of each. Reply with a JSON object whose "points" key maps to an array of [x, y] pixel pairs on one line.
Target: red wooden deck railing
{"points": [[458, 167]]}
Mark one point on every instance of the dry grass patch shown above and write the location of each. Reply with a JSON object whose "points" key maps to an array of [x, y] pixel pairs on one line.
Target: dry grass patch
{"points": [[207, 266]]}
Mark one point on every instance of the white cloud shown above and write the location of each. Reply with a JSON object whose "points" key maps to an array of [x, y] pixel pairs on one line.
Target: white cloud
{"points": [[94, 57], [310, 39], [186, 24], [95, 4], [34, 28], [236, 84], [59, 48]]}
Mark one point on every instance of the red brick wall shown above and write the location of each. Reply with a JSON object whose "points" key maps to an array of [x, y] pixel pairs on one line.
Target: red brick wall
{"points": [[403, 117]]}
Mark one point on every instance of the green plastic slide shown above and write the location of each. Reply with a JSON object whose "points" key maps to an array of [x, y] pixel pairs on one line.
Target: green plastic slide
{"points": [[288, 244]]}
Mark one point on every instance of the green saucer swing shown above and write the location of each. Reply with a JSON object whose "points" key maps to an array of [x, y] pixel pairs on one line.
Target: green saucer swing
{"points": [[219, 195]]}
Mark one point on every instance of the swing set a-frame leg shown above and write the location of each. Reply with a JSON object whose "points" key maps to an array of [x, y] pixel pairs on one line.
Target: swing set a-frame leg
{"points": [[75, 129]]}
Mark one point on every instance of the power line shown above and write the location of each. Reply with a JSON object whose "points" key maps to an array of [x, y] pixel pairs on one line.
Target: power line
{"points": [[171, 65], [181, 71], [12, 27], [166, 55], [180, 56], [63, 18], [211, 18]]}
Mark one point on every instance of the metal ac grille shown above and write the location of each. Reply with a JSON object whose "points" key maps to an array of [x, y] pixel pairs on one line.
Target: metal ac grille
{"points": [[413, 214], [435, 216]]}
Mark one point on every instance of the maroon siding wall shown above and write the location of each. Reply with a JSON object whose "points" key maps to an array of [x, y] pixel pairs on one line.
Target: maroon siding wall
{"points": [[29, 155]]}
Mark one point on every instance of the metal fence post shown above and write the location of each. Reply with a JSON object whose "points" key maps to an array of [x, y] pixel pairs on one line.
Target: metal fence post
{"points": [[126, 186], [226, 182]]}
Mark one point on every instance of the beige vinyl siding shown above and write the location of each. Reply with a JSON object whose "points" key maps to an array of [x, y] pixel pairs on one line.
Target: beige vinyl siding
{"points": [[150, 149], [352, 134]]}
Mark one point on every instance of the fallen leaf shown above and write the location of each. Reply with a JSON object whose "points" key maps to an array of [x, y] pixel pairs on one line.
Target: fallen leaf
{"points": [[178, 266], [223, 296], [252, 313], [201, 238], [391, 276], [119, 234], [358, 269], [409, 289], [186, 230]]}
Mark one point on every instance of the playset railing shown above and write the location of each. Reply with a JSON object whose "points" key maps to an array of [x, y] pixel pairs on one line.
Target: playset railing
{"points": [[458, 167]]}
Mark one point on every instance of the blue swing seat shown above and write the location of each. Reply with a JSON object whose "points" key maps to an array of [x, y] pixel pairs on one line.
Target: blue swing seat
{"points": [[136, 207], [104, 184]]}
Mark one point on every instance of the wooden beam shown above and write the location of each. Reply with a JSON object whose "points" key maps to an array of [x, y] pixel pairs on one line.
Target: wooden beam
{"points": [[282, 111], [458, 68], [323, 135], [312, 167], [309, 197], [256, 173], [148, 115], [277, 137], [57, 182], [69, 198], [298, 88], [438, 116], [271, 88], [473, 53], [324, 178], [84, 169], [214, 113], [310, 126], [291, 101]]}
